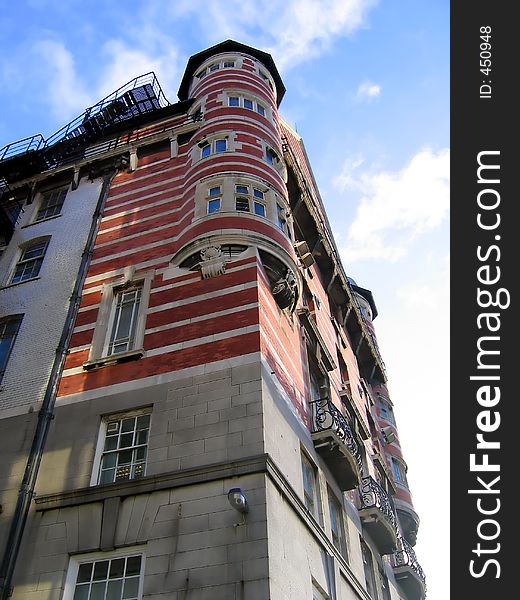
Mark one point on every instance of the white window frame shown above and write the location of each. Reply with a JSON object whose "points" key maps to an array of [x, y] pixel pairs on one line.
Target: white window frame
{"points": [[102, 433], [315, 511], [103, 329], [213, 146], [79, 559], [214, 197], [255, 104], [336, 509], [4, 323], [20, 259], [61, 193]]}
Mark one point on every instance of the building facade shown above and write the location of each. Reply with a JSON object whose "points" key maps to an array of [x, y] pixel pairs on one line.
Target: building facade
{"points": [[215, 422]]}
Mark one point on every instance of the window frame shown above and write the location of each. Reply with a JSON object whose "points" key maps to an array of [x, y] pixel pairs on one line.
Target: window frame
{"points": [[102, 330], [77, 560], [315, 510], [367, 558], [100, 451], [37, 260], [336, 511], [62, 192], [114, 319], [4, 323]]}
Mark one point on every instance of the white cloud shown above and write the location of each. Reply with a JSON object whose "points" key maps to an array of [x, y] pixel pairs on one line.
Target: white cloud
{"points": [[292, 30], [396, 207], [368, 91], [65, 90]]}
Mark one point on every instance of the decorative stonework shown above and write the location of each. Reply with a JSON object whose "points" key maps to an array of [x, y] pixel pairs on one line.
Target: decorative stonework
{"points": [[212, 262], [285, 290]]}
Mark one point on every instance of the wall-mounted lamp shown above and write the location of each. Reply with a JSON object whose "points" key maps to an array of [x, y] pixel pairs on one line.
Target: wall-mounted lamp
{"points": [[388, 435], [238, 500]]}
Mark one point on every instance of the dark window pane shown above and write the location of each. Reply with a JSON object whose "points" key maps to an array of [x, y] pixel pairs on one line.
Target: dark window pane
{"points": [[81, 592], [133, 565], [220, 146], [114, 590], [100, 570], [248, 103], [97, 591], [131, 588], [84, 572], [117, 568]]}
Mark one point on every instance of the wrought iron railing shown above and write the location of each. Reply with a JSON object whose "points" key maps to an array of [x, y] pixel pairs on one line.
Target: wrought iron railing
{"points": [[28, 144], [326, 417], [406, 557], [372, 495]]}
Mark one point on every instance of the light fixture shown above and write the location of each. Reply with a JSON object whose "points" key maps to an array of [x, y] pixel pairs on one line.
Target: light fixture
{"points": [[238, 500], [388, 435]]}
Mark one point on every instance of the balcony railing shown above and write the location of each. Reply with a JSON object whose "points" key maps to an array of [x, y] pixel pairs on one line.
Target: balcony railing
{"points": [[334, 439], [408, 571], [377, 512]]}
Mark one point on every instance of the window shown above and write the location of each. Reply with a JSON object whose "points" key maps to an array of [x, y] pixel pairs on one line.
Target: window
{"points": [[247, 196], [9, 327], [208, 148], [124, 448], [270, 156], [368, 567], [214, 67], [120, 326], [30, 262], [259, 209], [310, 489], [124, 320], [51, 204], [107, 577], [336, 525], [220, 145], [282, 220], [205, 150], [228, 64], [214, 201], [385, 586], [248, 103], [399, 472]]}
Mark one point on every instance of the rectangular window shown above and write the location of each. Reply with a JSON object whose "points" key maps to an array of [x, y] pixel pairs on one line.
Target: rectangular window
{"points": [[214, 67], [228, 64], [310, 495], [242, 204], [248, 103], [260, 110], [220, 145], [107, 578], [214, 191], [30, 262], [258, 194], [205, 151], [51, 204], [124, 321], [213, 206], [282, 223], [368, 568], [9, 327], [259, 209], [201, 74], [233, 101], [125, 448], [385, 586], [336, 525], [241, 189]]}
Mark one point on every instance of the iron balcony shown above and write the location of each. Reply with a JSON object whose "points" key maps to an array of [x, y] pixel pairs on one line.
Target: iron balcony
{"points": [[378, 515], [334, 441], [408, 572]]}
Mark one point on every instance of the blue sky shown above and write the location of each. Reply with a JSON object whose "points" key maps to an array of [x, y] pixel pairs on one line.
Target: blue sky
{"points": [[368, 89]]}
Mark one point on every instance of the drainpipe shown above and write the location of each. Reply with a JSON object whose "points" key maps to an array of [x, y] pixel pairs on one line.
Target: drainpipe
{"points": [[46, 413]]}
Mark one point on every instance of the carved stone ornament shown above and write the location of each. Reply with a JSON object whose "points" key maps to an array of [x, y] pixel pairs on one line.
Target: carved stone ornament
{"points": [[284, 290], [212, 262]]}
